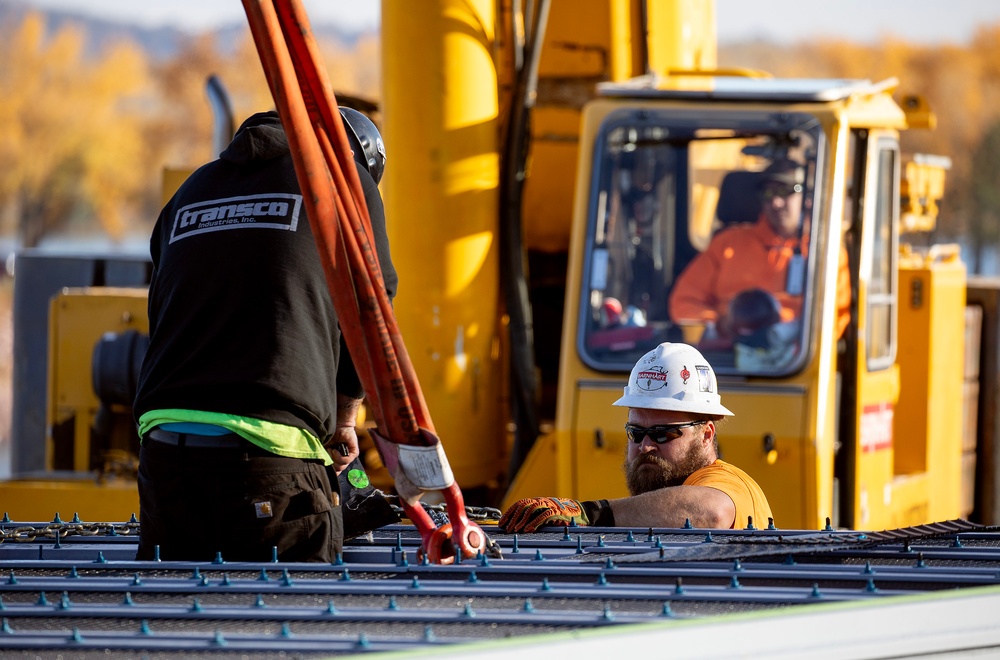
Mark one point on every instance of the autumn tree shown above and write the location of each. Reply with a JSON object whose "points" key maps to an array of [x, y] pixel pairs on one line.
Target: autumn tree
{"points": [[71, 145]]}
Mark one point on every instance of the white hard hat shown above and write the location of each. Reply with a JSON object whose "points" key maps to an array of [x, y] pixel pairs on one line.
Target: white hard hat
{"points": [[674, 377]]}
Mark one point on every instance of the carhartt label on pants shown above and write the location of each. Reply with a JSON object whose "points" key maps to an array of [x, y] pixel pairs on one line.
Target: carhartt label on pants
{"points": [[263, 509]]}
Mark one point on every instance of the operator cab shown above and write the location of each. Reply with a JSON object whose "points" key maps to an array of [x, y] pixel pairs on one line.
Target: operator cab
{"points": [[665, 184]]}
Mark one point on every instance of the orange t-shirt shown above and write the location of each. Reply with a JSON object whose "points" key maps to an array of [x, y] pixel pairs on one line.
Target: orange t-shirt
{"points": [[747, 257], [741, 489]]}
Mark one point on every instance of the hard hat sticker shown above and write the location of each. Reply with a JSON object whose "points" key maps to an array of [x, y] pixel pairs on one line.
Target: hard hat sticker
{"points": [[704, 378], [651, 379], [357, 478], [685, 374]]}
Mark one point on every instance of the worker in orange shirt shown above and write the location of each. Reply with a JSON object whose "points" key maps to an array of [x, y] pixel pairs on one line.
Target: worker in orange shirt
{"points": [[671, 464], [757, 256]]}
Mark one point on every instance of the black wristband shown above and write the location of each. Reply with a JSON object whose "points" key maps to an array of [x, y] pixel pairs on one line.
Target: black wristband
{"points": [[599, 513]]}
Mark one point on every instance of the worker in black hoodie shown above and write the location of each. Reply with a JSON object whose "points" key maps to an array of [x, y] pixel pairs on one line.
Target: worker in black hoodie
{"points": [[247, 391]]}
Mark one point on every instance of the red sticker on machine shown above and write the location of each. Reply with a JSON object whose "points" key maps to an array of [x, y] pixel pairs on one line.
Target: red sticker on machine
{"points": [[876, 427]]}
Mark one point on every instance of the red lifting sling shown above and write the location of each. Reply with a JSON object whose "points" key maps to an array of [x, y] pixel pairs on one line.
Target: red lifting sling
{"points": [[340, 223]]}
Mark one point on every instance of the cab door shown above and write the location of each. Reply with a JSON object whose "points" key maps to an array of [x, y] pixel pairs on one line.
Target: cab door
{"points": [[871, 393]]}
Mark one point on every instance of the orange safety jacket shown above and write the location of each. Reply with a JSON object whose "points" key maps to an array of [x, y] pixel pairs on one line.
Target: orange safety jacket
{"points": [[747, 257]]}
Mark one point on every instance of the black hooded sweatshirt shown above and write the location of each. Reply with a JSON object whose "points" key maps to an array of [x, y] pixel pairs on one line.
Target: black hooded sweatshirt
{"points": [[240, 316]]}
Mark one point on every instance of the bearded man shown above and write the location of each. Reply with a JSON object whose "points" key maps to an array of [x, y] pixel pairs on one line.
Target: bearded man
{"points": [[672, 465]]}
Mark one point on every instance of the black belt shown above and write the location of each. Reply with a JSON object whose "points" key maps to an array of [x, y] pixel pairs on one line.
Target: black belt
{"points": [[227, 441]]}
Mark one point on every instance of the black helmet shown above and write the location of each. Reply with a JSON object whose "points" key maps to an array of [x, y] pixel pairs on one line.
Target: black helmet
{"points": [[366, 142]]}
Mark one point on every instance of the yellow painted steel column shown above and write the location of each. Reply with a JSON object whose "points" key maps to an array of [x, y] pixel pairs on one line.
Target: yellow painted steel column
{"points": [[681, 34], [440, 190], [623, 51]]}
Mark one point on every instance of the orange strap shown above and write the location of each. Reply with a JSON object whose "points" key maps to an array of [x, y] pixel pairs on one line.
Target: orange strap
{"points": [[340, 222], [339, 219]]}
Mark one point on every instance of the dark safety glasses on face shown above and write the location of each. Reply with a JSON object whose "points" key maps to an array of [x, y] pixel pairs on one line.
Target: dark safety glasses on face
{"points": [[658, 434], [770, 192]]}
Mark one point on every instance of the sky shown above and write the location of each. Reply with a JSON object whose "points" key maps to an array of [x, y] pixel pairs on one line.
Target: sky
{"points": [[786, 21], [197, 15], [928, 22]]}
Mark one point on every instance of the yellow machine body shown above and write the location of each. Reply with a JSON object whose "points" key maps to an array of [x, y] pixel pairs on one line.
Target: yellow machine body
{"points": [[901, 444], [81, 477], [41, 499]]}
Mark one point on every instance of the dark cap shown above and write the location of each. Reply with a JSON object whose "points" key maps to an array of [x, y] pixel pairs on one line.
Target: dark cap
{"points": [[785, 170]]}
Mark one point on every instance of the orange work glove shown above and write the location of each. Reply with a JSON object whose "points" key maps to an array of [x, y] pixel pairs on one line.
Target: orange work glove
{"points": [[533, 513]]}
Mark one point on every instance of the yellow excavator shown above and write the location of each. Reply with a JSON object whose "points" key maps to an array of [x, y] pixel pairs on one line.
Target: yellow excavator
{"points": [[519, 135]]}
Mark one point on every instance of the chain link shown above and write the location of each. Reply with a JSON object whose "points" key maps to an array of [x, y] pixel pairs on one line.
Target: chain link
{"points": [[439, 512], [30, 533], [439, 516]]}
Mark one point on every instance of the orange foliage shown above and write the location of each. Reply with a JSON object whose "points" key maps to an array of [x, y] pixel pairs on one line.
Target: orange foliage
{"points": [[86, 138], [962, 85], [70, 145]]}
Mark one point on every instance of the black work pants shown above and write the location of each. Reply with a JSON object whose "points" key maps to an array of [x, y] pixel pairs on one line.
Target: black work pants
{"points": [[240, 501]]}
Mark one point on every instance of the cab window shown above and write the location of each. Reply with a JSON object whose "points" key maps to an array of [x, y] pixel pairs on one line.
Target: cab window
{"points": [[880, 334], [700, 227]]}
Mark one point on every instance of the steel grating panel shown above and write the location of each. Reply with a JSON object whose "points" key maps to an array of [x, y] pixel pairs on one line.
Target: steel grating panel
{"points": [[70, 587]]}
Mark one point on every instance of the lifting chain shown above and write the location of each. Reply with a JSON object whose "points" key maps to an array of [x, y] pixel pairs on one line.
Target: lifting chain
{"points": [[439, 512], [30, 533]]}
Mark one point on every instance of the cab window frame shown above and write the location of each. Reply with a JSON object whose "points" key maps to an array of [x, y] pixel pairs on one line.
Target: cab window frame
{"points": [[599, 206]]}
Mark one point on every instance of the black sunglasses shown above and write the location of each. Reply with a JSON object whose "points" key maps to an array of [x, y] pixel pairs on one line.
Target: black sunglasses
{"points": [[658, 434], [772, 191]]}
